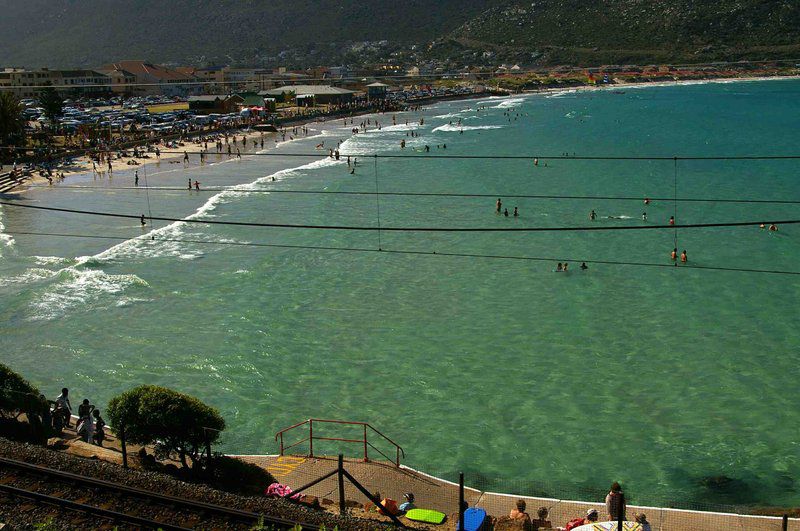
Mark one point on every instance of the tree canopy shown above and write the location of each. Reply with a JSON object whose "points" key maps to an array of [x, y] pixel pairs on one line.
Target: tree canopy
{"points": [[174, 422], [17, 395], [12, 122], [52, 104]]}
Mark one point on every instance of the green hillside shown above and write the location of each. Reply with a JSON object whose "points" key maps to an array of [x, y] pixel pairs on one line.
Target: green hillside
{"points": [[634, 31]]}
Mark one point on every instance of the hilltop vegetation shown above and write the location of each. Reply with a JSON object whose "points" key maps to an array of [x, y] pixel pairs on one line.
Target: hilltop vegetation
{"points": [[634, 31], [299, 33]]}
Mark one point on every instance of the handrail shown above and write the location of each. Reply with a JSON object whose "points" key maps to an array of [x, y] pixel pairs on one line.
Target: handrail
{"points": [[366, 444]]}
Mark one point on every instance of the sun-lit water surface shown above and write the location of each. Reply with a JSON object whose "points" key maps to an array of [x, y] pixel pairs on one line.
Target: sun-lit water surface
{"points": [[525, 379]]}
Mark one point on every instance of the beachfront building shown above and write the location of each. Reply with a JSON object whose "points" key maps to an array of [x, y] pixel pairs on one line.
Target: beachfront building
{"points": [[309, 95], [215, 103], [154, 79], [78, 83], [377, 90], [122, 81], [21, 81]]}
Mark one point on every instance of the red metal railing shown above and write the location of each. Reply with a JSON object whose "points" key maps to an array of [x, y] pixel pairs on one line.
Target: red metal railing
{"points": [[365, 442]]}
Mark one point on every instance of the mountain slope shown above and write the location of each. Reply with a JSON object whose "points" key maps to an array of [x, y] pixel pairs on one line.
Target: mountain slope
{"points": [[90, 32], [63, 33], [616, 30]]}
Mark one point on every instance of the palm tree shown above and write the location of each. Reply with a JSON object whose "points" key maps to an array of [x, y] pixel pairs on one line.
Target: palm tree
{"points": [[12, 121]]}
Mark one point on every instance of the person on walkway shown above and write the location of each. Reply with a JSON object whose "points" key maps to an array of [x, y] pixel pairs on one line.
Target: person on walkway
{"points": [[518, 512], [99, 431], [409, 503], [63, 407], [541, 521], [641, 519], [591, 517], [615, 502]]}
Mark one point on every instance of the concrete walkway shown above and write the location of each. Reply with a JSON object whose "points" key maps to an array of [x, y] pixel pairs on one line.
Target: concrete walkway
{"points": [[434, 493]]}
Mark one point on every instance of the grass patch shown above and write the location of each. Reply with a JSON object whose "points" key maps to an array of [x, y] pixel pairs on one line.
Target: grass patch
{"points": [[168, 107]]}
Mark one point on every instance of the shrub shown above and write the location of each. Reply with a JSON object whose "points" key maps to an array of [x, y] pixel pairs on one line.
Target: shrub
{"points": [[174, 422], [17, 395]]}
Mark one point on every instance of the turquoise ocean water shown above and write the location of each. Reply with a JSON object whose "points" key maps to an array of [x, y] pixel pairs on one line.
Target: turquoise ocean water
{"points": [[528, 381]]}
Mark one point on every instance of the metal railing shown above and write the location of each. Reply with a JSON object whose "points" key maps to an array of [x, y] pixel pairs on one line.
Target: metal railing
{"points": [[363, 441]]}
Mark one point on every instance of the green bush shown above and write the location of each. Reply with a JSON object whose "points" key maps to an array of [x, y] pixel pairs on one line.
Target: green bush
{"points": [[174, 422], [17, 395]]}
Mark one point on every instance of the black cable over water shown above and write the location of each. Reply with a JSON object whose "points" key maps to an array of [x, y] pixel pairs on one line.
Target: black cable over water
{"points": [[431, 194], [409, 252], [412, 229]]}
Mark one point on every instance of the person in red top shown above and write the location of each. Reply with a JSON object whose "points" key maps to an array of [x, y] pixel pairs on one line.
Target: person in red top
{"points": [[591, 517], [672, 220]]}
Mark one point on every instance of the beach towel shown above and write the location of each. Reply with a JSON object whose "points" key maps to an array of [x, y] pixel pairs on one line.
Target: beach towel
{"points": [[279, 490]]}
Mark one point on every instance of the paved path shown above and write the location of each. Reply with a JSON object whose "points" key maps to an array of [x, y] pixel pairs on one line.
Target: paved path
{"points": [[434, 493]]}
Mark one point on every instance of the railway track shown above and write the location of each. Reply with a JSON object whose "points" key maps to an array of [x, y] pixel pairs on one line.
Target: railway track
{"points": [[123, 504]]}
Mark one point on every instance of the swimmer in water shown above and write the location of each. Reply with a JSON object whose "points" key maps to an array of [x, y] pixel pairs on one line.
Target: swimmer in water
{"points": [[592, 215], [505, 212], [646, 200], [674, 254], [516, 212], [684, 258], [559, 268], [762, 226], [773, 227], [584, 266], [566, 265], [672, 220], [141, 220], [499, 205], [644, 216]]}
